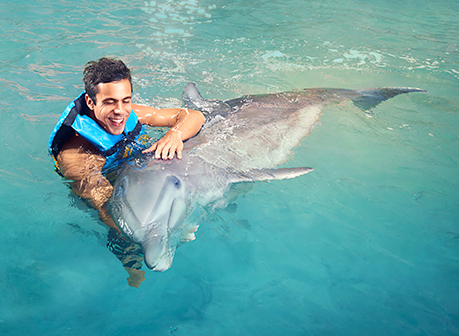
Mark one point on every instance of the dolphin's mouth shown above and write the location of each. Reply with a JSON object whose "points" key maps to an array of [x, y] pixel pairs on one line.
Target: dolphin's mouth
{"points": [[158, 252], [159, 245]]}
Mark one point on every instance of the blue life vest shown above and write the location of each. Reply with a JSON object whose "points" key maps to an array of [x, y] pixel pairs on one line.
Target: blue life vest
{"points": [[75, 119]]}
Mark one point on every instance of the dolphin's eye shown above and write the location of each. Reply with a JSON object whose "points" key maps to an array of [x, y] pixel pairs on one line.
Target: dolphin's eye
{"points": [[175, 181]]}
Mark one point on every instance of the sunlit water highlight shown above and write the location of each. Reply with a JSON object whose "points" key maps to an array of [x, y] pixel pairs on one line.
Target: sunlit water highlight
{"points": [[366, 244]]}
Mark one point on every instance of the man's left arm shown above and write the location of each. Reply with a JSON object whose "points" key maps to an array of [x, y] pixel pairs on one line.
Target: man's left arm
{"points": [[183, 123]]}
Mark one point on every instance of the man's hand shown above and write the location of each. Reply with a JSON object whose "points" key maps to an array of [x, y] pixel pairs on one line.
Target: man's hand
{"points": [[168, 145], [185, 123], [136, 277]]}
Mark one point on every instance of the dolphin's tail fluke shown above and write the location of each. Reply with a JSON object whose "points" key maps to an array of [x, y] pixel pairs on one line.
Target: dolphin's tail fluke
{"points": [[366, 99]]}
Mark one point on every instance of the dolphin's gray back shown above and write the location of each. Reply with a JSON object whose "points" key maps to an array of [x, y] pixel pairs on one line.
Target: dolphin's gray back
{"points": [[259, 131]]}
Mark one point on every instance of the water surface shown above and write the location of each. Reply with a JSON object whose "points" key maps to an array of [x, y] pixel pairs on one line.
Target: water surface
{"points": [[366, 244]]}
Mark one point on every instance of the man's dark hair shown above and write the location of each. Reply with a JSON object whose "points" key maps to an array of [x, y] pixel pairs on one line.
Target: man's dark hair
{"points": [[104, 70]]}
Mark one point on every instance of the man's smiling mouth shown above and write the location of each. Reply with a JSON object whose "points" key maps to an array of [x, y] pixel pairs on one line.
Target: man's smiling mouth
{"points": [[116, 121]]}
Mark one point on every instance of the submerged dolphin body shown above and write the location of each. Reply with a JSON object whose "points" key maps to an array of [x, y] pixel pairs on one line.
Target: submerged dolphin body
{"points": [[155, 203]]}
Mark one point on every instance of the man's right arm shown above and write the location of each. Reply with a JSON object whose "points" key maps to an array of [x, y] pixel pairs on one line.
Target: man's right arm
{"points": [[81, 163]]}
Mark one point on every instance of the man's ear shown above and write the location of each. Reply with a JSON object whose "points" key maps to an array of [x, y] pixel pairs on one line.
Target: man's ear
{"points": [[89, 102]]}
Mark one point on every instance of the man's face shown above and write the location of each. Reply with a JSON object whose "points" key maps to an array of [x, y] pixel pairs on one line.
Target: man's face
{"points": [[113, 105]]}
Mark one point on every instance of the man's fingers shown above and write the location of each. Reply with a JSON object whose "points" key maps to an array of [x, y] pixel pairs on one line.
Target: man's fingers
{"points": [[179, 150], [151, 149], [158, 152], [165, 151], [172, 151]]}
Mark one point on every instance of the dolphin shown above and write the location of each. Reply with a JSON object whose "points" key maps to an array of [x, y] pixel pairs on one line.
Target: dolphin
{"points": [[156, 203]]}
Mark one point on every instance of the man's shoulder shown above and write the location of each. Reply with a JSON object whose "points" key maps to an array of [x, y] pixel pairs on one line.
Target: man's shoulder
{"points": [[78, 144], [78, 156]]}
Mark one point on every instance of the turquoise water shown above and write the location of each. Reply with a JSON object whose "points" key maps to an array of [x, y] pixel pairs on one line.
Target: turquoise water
{"points": [[367, 244]]}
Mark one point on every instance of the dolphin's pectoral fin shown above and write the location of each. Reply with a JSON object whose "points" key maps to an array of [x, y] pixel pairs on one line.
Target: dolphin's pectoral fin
{"points": [[269, 174], [369, 98], [195, 101], [189, 235]]}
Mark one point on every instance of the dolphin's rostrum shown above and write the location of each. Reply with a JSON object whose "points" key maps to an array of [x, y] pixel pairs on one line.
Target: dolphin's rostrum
{"points": [[243, 140]]}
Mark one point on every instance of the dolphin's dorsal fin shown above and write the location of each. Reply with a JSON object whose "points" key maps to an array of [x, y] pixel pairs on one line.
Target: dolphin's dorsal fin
{"points": [[269, 174], [369, 98], [210, 107]]}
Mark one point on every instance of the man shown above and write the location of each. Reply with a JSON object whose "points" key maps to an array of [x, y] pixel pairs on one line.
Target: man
{"points": [[102, 128]]}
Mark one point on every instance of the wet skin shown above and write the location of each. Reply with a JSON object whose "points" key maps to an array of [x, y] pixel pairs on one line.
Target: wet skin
{"points": [[112, 106]]}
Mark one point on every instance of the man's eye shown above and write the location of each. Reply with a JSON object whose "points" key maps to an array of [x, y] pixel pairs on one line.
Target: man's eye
{"points": [[127, 101]]}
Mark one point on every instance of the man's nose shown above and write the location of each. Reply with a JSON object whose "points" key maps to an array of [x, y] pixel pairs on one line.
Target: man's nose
{"points": [[119, 107]]}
